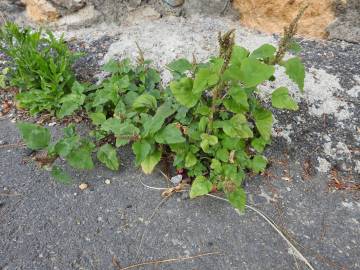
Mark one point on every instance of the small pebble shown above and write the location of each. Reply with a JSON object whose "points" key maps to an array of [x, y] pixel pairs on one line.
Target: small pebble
{"points": [[83, 186], [107, 181]]}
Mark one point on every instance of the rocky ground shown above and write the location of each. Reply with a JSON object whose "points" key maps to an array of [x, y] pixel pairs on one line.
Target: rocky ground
{"points": [[311, 189]]}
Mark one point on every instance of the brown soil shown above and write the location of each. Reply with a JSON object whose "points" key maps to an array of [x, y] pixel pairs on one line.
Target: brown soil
{"points": [[272, 15]]}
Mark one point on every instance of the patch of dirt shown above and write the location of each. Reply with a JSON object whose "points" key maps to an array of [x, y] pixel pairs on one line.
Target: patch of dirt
{"points": [[273, 15]]}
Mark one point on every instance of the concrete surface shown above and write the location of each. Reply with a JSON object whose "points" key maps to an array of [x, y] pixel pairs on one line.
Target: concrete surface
{"points": [[51, 226]]}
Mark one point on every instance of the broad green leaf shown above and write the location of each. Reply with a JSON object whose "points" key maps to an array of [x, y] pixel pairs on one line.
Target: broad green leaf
{"points": [[240, 97], [264, 51], [114, 66], [229, 129], [232, 106], [253, 72], [35, 136], [258, 163], [200, 186], [65, 146], [207, 140], [183, 92], [259, 144], [77, 88], [120, 108], [130, 97], [216, 165], [153, 125], [105, 95], [111, 66], [180, 65], [149, 163], [204, 78], [141, 150], [203, 109], [60, 176], [97, 118], [67, 108], [238, 199], [71, 102], [145, 101], [210, 138], [127, 130], [122, 82], [296, 71], [222, 154], [107, 155], [238, 55], [112, 125], [169, 135], [190, 160], [237, 127], [69, 131], [152, 77], [280, 99], [263, 121], [80, 158]]}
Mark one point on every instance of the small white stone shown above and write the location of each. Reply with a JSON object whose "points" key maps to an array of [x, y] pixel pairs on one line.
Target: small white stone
{"points": [[324, 165], [83, 186], [107, 181]]}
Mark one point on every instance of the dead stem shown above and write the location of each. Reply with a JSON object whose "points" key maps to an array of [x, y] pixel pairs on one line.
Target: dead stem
{"points": [[13, 145], [116, 264], [140, 59], [10, 194], [289, 33]]}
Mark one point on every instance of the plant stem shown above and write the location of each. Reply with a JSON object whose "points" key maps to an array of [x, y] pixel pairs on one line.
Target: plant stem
{"points": [[226, 47], [289, 33]]}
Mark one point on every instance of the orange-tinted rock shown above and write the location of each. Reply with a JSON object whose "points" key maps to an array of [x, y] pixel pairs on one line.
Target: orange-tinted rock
{"points": [[41, 11], [272, 16]]}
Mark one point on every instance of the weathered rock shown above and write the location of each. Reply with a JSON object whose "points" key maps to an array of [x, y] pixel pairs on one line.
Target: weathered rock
{"points": [[347, 25], [49, 11], [82, 18], [69, 5], [142, 14], [11, 6], [41, 10], [273, 16], [212, 7], [174, 3]]}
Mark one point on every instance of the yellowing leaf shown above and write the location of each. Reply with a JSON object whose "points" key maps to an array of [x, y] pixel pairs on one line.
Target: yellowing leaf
{"points": [[200, 186], [149, 163]]}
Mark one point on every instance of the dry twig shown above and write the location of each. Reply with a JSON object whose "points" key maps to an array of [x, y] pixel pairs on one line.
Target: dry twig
{"points": [[116, 264]]}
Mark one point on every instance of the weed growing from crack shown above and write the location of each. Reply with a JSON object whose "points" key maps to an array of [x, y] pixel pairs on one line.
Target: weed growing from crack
{"points": [[208, 121]]}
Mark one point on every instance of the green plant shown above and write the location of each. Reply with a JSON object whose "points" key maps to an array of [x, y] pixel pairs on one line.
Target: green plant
{"points": [[40, 67], [225, 125], [209, 121]]}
